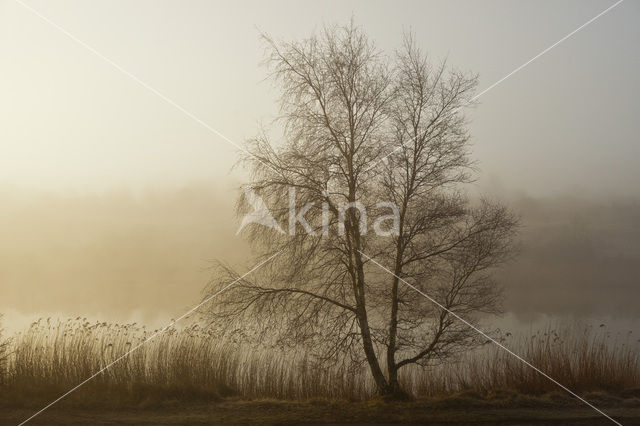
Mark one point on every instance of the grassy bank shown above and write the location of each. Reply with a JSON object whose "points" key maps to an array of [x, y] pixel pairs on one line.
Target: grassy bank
{"points": [[420, 412]]}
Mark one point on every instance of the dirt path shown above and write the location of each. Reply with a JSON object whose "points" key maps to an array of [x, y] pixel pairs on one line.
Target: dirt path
{"points": [[278, 412]]}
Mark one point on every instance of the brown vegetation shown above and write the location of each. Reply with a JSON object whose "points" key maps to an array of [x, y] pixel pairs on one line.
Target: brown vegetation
{"points": [[192, 364]]}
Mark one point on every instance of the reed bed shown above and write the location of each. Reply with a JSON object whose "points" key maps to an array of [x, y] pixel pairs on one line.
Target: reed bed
{"points": [[583, 360], [192, 363]]}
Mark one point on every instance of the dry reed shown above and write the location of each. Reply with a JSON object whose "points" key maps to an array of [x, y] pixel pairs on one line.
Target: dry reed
{"points": [[192, 363]]}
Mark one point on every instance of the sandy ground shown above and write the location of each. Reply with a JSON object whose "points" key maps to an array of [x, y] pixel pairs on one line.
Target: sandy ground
{"points": [[321, 412]]}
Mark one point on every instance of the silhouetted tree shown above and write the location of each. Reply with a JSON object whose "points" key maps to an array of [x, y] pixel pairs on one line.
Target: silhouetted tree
{"points": [[345, 106]]}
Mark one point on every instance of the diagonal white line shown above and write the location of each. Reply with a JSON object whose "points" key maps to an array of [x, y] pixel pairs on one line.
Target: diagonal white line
{"points": [[483, 334], [546, 50], [470, 101], [201, 122], [139, 81], [153, 336]]}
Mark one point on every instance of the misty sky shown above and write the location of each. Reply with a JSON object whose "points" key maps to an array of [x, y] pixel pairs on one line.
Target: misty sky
{"points": [[77, 136]]}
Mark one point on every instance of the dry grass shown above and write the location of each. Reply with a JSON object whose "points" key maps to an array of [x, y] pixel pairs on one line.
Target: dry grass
{"points": [[51, 358], [4, 354], [191, 363], [583, 359]]}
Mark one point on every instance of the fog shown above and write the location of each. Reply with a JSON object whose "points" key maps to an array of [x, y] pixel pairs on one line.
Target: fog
{"points": [[69, 119], [117, 256], [577, 257], [144, 257], [558, 141]]}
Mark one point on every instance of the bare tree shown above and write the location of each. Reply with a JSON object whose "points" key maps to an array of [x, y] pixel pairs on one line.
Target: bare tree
{"points": [[344, 107]]}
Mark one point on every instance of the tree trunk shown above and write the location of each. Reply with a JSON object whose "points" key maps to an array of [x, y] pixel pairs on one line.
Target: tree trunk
{"points": [[372, 360], [363, 322], [392, 368], [394, 391]]}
